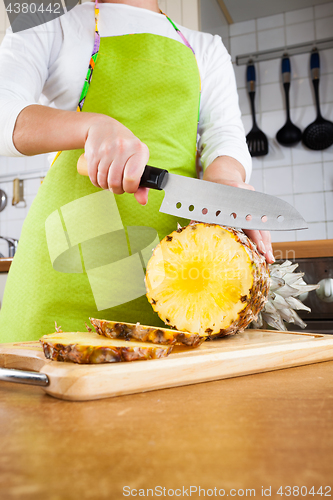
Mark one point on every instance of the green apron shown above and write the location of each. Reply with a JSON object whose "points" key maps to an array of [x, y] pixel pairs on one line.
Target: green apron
{"points": [[151, 84]]}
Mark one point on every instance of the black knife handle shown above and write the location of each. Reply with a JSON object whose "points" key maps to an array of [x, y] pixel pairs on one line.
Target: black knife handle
{"points": [[153, 178]]}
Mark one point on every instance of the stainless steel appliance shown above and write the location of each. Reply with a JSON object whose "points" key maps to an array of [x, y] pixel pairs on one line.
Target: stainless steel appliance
{"points": [[320, 319]]}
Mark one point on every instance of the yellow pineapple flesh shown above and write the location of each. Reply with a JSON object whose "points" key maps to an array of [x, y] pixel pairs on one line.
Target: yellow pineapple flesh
{"points": [[91, 348], [207, 279]]}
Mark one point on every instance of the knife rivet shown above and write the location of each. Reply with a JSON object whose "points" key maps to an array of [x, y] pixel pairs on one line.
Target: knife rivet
{"points": [[280, 218], [204, 211], [178, 205], [218, 213], [248, 217], [264, 218], [191, 208], [233, 215]]}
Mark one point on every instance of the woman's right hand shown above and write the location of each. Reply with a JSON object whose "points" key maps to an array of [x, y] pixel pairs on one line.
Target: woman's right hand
{"points": [[116, 158]]}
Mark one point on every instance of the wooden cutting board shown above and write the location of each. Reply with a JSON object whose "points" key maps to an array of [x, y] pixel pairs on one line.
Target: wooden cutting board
{"points": [[252, 351]]}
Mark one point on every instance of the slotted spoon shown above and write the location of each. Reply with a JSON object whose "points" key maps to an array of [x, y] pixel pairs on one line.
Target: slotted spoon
{"points": [[256, 140], [319, 134]]}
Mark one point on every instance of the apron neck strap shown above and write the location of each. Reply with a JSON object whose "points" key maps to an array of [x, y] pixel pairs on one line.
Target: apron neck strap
{"points": [[179, 32], [94, 54]]}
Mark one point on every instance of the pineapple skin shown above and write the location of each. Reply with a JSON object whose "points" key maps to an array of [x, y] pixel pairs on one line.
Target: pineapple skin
{"points": [[253, 302], [259, 291], [76, 353], [142, 333]]}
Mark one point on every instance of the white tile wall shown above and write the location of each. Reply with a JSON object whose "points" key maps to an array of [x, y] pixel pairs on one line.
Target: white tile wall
{"points": [[269, 22], [311, 206], [329, 230], [242, 28], [243, 44], [324, 27], [300, 33], [308, 178], [302, 177], [269, 39], [328, 176], [324, 10], [299, 16], [12, 218]]}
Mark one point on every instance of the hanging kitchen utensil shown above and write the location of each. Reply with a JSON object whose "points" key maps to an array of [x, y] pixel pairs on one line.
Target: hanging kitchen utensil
{"points": [[319, 134], [289, 134], [18, 194], [256, 140], [3, 200]]}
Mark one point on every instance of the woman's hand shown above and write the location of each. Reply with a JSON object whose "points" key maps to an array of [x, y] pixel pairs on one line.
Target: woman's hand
{"points": [[116, 158], [229, 171]]}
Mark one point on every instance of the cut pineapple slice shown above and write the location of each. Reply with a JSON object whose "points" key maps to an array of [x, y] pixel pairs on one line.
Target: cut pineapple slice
{"points": [[207, 279], [89, 347], [129, 331]]}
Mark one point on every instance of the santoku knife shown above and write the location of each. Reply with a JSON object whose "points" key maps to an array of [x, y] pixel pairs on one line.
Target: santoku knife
{"points": [[211, 202]]}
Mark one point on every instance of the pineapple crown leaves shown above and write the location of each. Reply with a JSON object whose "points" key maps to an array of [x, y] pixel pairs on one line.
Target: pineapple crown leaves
{"points": [[285, 286]]}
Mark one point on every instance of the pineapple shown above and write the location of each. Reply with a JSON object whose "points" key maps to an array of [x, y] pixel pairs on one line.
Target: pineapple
{"points": [[130, 331], [207, 279], [91, 348], [211, 280]]}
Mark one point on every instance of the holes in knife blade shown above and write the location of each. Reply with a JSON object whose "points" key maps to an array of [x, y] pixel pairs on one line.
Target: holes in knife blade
{"points": [[248, 217], [264, 218], [178, 205], [233, 215], [191, 208], [280, 218], [204, 211], [218, 213]]}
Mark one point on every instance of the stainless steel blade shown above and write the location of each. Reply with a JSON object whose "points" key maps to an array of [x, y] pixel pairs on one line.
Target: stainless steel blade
{"points": [[216, 203]]}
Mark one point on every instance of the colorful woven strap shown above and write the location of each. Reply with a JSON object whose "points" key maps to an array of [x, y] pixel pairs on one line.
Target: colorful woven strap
{"points": [[178, 31], [92, 61], [94, 54]]}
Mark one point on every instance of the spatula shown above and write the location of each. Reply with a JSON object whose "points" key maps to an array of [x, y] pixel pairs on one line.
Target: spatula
{"points": [[319, 134], [289, 134], [256, 140], [211, 202]]}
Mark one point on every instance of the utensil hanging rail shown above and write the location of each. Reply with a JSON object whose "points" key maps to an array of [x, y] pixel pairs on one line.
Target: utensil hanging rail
{"points": [[292, 50], [31, 174]]}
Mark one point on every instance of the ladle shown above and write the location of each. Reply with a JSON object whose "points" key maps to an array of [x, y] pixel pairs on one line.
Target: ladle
{"points": [[289, 134]]}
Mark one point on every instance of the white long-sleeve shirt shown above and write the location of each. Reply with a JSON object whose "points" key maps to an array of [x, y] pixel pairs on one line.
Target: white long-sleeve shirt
{"points": [[48, 64]]}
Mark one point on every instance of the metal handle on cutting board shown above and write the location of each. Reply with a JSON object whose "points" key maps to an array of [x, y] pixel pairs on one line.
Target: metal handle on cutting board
{"points": [[23, 377], [152, 177]]}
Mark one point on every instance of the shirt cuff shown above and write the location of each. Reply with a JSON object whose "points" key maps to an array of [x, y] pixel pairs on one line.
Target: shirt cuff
{"points": [[9, 112]]}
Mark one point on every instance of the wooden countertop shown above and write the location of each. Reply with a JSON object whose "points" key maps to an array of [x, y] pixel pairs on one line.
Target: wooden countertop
{"points": [[303, 249], [5, 265], [270, 429]]}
